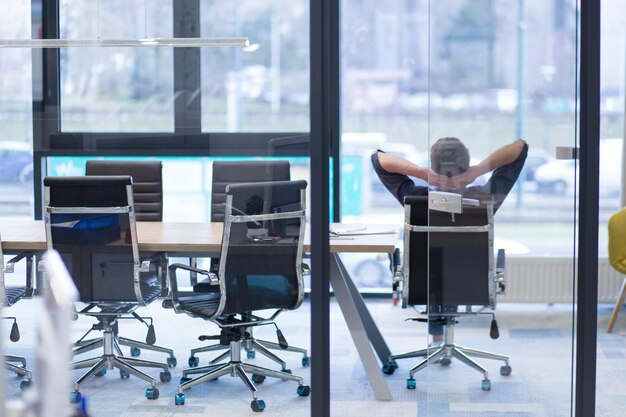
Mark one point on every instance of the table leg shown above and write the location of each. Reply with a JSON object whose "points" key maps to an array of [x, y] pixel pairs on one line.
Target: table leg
{"points": [[353, 307], [374, 335]]}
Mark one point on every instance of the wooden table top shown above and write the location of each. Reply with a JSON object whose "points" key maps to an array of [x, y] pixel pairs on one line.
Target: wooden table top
{"points": [[191, 238]]}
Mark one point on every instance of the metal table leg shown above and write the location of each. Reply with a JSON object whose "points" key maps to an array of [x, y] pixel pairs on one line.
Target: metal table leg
{"points": [[361, 325]]}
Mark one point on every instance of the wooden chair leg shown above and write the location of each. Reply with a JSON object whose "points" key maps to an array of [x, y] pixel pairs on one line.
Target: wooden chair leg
{"points": [[618, 306]]}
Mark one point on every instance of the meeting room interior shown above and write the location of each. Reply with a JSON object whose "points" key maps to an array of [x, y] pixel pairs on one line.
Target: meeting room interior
{"points": [[315, 208]]}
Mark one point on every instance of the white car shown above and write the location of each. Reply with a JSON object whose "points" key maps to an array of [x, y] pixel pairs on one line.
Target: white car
{"points": [[560, 176]]}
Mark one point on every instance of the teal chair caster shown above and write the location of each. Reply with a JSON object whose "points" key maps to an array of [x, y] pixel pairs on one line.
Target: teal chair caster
{"points": [[257, 405], [124, 374], [193, 361], [306, 361], [485, 385], [251, 354], [152, 393], [179, 399], [75, 397], [165, 376], [172, 362], [410, 383], [304, 390], [505, 370], [135, 352], [389, 368], [258, 379]]}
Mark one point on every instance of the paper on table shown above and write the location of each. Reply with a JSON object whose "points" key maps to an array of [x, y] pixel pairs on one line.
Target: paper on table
{"points": [[354, 231]]}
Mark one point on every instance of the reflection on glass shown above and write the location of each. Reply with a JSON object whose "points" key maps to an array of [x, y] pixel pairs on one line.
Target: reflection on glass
{"points": [[488, 73], [116, 89], [16, 95], [266, 86]]}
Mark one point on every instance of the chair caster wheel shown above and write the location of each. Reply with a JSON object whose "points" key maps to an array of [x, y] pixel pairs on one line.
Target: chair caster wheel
{"points": [[193, 361], [75, 397], [179, 399], [445, 361], [165, 376], [101, 372], [410, 383], [184, 379], [25, 384], [257, 405], [172, 362], [251, 354], [258, 379], [486, 385], [304, 390], [306, 361], [287, 371], [505, 370], [124, 374], [389, 368], [152, 393], [135, 352]]}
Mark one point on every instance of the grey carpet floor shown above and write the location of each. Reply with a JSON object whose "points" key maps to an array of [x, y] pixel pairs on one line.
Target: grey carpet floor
{"points": [[537, 338]]}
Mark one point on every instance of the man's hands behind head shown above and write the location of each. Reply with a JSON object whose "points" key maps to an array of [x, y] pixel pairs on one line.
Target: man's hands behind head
{"points": [[456, 182]]}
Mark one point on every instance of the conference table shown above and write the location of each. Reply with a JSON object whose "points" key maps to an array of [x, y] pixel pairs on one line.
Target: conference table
{"points": [[204, 239]]}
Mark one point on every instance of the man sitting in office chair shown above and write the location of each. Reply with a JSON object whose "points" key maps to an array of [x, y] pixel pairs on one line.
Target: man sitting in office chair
{"points": [[451, 171]]}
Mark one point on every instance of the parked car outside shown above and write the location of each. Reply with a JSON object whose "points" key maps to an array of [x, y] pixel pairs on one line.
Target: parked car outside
{"points": [[16, 162], [560, 176]]}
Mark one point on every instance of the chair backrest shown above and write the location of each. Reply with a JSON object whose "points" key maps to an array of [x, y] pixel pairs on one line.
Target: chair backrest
{"points": [[90, 221], [147, 184], [262, 245], [448, 258], [617, 240], [234, 172]]}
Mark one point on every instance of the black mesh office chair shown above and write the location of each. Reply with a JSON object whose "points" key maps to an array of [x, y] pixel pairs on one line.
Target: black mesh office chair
{"points": [[90, 221], [9, 295], [147, 184], [235, 172], [260, 269], [448, 264], [148, 199]]}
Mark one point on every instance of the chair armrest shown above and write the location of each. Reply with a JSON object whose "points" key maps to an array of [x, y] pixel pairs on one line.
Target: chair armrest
{"points": [[9, 268], [213, 279]]}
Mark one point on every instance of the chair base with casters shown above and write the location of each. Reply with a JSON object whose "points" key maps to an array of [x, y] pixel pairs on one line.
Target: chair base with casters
{"points": [[19, 370], [82, 346], [112, 357], [235, 367], [252, 345], [13, 294], [444, 353]]}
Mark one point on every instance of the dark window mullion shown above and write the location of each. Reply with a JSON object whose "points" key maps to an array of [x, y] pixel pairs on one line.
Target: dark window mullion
{"points": [[187, 92]]}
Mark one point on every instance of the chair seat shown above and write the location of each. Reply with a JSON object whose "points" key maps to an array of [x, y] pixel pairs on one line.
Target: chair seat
{"points": [[201, 304], [15, 293]]}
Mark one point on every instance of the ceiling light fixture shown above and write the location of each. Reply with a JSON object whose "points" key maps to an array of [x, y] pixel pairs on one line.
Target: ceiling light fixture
{"points": [[120, 43]]}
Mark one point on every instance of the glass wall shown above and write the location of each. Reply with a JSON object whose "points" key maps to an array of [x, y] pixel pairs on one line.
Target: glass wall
{"points": [[16, 144], [485, 72], [610, 401], [264, 87], [116, 89]]}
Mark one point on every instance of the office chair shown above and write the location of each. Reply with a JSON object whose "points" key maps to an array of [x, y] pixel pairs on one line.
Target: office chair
{"points": [[617, 259], [234, 172], [448, 263], [90, 221], [148, 199], [260, 268], [9, 295]]}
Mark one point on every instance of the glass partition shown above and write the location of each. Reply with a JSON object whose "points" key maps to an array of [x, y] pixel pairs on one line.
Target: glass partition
{"points": [[487, 73], [611, 284], [16, 144]]}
